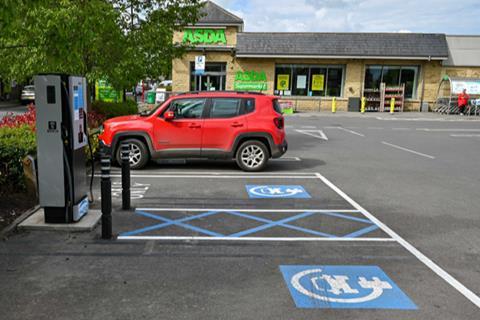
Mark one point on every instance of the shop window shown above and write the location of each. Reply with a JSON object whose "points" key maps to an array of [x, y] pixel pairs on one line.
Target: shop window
{"points": [[309, 80], [392, 76]]}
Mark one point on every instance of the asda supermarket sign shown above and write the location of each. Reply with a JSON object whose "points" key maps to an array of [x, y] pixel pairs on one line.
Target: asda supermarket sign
{"points": [[250, 80], [204, 36]]}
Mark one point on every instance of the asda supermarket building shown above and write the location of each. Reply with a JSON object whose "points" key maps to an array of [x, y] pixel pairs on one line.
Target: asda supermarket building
{"points": [[310, 69]]}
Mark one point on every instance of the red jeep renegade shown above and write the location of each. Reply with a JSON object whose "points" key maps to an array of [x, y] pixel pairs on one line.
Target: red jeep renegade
{"points": [[247, 127]]}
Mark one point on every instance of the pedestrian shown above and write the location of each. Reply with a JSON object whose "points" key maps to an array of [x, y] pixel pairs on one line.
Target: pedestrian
{"points": [[463, 101]]}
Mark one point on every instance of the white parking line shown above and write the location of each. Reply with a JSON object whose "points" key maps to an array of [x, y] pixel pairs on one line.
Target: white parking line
{"points": [[465, 135], [219, 173], [448, 130], [314, 133], [236, 239], [408, 150], [286, 159], [212, 176], [250, 210], [420, 256], [351, 131]]}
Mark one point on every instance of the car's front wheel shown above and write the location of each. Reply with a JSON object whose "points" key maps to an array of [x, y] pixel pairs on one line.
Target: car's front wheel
{"points": [[252, 156], [139, 154]]}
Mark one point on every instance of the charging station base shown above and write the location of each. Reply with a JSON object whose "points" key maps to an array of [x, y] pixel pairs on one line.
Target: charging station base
{"points": [[37, 222]]}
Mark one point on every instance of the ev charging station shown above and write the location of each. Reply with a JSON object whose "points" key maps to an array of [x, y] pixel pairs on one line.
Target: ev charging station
{"points": [[61, 110]]}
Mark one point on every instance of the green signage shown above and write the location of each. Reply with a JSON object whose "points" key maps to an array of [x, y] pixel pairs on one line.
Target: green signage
{"points": [[204, 36], [105, 92], [250, 80]]}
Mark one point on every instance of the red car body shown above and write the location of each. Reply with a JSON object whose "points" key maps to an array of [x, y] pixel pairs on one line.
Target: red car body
{"points": [[208, 125]]}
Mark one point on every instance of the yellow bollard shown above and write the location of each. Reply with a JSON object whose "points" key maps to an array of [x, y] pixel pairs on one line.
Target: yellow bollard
{"points": [[392, 105], [334, 105], [364, 102]]}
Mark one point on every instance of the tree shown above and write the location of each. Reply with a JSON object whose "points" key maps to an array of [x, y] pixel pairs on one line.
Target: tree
{"points": [[123, 41]]}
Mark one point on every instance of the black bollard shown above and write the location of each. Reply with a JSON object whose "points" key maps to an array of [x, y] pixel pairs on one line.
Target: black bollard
{"points": [[106, 190], [125, 155]]}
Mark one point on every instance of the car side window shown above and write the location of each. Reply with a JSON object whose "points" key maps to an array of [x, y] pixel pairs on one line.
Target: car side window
{"points": [[187, 108], [249, 106], [225, 107]]}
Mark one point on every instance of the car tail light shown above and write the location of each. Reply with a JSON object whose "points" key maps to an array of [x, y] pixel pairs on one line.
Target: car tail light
{"points": [[279, 122]]}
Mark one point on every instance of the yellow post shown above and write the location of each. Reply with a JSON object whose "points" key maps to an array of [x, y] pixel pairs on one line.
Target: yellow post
{"points": [[334, 105], [392, 105], [364, 102]]}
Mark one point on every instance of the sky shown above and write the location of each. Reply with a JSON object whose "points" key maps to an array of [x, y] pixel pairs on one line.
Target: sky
{"points": [[427, 16]]}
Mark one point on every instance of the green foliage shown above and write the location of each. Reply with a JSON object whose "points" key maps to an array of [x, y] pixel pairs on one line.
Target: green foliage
{"points": [[120, 40], [115, 109], [15, 144]]}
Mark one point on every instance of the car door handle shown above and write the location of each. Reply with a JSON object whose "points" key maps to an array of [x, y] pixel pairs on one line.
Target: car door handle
{"points": [[194, 126], [237, 124]]}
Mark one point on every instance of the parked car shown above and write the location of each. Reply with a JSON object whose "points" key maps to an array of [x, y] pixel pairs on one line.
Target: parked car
{"points": [[245, 127], [28, 95]]}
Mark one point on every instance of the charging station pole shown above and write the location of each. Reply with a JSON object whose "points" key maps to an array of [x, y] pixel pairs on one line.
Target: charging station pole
{"points": [[106, 194], [125, 156]]}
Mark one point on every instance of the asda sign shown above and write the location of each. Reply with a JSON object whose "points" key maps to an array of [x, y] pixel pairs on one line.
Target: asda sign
{"points": [[204, 36], [250, 80]]}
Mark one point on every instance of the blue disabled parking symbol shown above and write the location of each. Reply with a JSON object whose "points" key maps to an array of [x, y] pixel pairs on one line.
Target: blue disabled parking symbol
{"points": [[344, 287], [277, 191]]}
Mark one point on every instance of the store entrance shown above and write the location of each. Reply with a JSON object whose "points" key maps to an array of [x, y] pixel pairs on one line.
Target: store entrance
{"points": [[213, 79]]}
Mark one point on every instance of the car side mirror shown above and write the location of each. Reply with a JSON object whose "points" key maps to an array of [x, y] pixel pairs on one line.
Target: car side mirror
{"points": [[169, 115]]}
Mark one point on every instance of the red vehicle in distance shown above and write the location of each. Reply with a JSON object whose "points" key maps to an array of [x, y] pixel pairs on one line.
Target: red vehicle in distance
{"points": [[243, 126]]}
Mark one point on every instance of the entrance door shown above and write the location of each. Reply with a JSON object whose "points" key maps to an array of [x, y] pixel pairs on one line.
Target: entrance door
{"points": [[213, 79]]}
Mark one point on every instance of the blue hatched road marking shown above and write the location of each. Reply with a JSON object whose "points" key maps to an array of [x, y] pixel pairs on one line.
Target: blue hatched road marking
{"points": [[267, 224]]}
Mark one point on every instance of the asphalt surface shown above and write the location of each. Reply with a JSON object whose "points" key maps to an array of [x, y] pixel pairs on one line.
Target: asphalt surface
{"points": [[198, 247]]}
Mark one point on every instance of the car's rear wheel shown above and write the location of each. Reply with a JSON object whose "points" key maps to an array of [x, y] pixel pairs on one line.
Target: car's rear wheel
{"points": [[139, 154], [252, 156]]}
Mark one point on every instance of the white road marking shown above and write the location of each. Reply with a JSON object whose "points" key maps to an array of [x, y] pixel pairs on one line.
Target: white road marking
{"points": [[465, 135], [284, 239], [408, 150], [448, 130], [212, 176], [250, 210], [314, 133], [351, 131], [286, 159], [217, 173], [420, 256]]}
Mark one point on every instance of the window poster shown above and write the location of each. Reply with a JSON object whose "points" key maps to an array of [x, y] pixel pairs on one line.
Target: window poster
{"points": [[318, 82], [301, 82], [283, 81]]}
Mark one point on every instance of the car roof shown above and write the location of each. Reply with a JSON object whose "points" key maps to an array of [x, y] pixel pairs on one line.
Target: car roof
{"points": [[221, 94]]}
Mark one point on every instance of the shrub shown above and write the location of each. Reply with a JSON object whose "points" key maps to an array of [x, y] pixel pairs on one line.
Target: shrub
{"points": [[15, 144], [115, 109]]}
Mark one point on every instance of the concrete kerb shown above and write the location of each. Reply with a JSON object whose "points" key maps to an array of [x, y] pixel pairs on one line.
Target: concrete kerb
{"points": [[10, 228], [36, 222]]}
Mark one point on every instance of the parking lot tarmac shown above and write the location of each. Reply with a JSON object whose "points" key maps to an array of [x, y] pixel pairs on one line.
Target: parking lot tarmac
{"points": [[364, 218]]}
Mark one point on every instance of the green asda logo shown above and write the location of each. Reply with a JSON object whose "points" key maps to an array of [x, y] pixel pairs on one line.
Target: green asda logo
{"points": [[250, 76], [250, 80], [204, 36]]}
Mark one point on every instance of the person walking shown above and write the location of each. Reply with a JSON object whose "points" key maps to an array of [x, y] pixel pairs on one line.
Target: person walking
{"points": [[462, 101]]}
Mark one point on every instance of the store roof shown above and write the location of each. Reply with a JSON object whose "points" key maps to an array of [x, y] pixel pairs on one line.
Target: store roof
{"points": [[464, 51], [338, 45], [214, 14]]}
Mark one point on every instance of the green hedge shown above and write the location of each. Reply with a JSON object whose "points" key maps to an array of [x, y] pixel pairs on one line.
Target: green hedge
{"points": [[115, 109], [15, 145]]}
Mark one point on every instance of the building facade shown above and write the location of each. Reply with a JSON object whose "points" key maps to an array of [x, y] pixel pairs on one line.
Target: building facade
{"points": [[312, 69]]}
